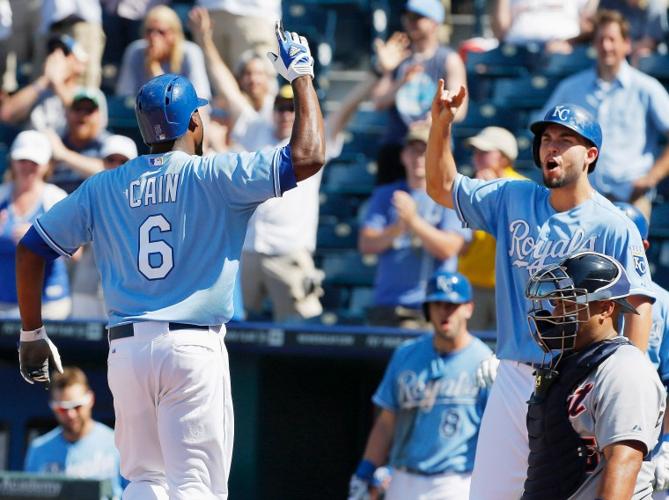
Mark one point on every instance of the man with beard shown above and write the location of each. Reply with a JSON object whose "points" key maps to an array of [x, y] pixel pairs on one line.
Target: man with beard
{"points": [[79, 446], [534, 226], [168, 262]]}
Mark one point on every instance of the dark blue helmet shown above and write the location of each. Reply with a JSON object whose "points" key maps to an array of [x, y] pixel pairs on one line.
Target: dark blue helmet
{"points": [[164, 106], [444, 286], [573, 117], [637, 217], [575, 282]]}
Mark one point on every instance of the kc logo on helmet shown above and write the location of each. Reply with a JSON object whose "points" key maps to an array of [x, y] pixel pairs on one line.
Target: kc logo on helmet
{"points": [[561, 112], [444, 284]]}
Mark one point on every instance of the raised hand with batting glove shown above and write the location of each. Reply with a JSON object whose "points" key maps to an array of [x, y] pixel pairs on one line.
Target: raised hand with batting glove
{"points": [[35, 352], [487, 371], [294, 57]]}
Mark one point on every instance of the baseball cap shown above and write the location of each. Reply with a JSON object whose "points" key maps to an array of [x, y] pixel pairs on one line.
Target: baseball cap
{"points": [[418, 132], [119, 145], [433, 9], [495, 139], [92, 94], [31, 145]]}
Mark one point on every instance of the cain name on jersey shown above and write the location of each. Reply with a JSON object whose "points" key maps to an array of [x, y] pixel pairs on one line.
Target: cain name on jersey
{"points": [[153, 190]]}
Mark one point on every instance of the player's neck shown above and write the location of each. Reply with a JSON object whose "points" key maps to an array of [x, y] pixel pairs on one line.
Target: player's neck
{"points": [[72, 437], [570, 196], [447, 345], [587, 338]]}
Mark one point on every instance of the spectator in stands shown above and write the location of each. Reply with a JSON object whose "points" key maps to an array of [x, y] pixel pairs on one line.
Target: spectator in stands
{"points": [[240, 25], [77, 154], [277, 259], [22, 199], [408, 81], [495, 150], [556, 23], [633, 110], [413, 237], [79, 447], [81, 20], [162, 50], [87, 298], [249, 94], [648, 23], [41, 105], [430, 405]]}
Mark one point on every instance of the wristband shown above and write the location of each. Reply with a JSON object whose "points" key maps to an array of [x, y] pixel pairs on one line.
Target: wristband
{"points": [[365, 470], [665, 438], [32, 335]]}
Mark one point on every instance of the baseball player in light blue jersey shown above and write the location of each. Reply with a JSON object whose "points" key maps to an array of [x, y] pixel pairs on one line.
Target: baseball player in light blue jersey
{"points": [[658, 351], [534, 226], [167, 230], [431, 405]]}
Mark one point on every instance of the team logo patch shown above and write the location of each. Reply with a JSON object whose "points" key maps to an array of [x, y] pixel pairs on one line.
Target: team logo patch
{"points": [[156, 162], [575, 404], [640, 263]]}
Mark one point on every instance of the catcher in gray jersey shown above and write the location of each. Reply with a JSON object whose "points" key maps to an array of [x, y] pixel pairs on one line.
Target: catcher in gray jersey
{"points": [[598, 404]]}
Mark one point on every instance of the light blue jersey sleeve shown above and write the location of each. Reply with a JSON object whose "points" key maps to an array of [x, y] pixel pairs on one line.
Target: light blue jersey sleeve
{"points": [[658, 342], [478, 203]]}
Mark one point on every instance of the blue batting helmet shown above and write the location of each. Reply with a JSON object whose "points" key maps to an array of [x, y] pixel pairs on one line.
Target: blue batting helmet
{"points": [[164, 106], [444, 286], [637, 217], [574, 118]]}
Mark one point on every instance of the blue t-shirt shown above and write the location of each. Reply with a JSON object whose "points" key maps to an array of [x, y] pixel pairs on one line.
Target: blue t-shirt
{"points": [[531, 234], [94, 456], [167, 230], [56, 283], [437, 404], [407, 287], [658, 342]]}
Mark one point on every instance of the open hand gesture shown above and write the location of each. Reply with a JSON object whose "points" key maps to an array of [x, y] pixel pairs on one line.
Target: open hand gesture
{"points": [[446, 104], [391, 53]]}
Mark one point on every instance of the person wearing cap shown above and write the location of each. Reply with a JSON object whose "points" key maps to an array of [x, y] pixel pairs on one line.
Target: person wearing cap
{"points": [[41, 105], [277, 259], [558, 25], [77, 153], [405, 91], [495, 150], [87, 297], [22, 199], [79, 447], [408, 231], [430, 404], [633, 111]]}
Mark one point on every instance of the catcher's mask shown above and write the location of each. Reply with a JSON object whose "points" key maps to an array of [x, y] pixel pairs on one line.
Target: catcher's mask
{"points": [[560, 294]]}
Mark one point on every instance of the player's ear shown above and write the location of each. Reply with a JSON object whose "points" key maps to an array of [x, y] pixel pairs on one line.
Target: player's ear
{"points": [[195, 121], [469, 307], [591, 155]]}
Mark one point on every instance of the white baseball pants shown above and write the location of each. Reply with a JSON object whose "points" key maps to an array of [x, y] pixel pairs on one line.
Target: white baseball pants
{"points": [[448, 486], [500, 467], [174, 420]]}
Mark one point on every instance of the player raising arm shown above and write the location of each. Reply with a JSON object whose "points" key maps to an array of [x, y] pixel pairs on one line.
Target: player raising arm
{"points": [[534, 226], [168, 260]]}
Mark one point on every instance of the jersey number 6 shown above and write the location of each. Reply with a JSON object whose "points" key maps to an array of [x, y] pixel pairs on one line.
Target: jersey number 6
{"points": [[157, 247]]}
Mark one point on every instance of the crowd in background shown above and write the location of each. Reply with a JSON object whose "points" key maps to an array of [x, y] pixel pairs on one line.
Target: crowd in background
{"points": [[62, 113]]}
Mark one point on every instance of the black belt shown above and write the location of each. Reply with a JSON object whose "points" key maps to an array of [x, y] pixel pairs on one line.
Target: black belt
{"points": [[122, 331]]}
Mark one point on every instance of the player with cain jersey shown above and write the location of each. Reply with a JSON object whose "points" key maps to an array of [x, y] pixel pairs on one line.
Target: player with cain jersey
{"points": [[167, 230], [534, 226]]}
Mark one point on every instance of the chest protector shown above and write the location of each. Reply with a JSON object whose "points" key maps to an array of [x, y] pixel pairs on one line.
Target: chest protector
{"points": [[558, 460]]}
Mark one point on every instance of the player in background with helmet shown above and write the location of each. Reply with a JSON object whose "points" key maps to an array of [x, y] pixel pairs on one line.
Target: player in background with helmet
{"points": [[430, 404], [597, 408], [168, 260], [534, 226], [658, 351]]}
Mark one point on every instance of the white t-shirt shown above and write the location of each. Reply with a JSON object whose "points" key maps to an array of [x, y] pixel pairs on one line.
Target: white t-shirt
{"points": [[544, 20], [252, 8]]}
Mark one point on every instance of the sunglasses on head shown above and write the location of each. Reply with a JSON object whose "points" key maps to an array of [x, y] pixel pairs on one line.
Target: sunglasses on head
{"points": [[74, 404]]}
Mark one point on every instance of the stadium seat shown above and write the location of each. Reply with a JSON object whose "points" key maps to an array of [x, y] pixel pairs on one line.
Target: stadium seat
{"points": [[563, 65], [523, 93], [657, 66], [353, 178], [337, 235], [361, 142], [361, 299], [504, 61], [348, 267], [365, 119], [122, 120], [337, 207], [659, 220], [481, 115]]}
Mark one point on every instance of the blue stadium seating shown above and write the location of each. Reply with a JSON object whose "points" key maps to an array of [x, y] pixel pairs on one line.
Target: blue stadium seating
{"points": [[353, 178], [504, 61], [337, 235], [348, 267], [657, 66], [338, 207], [481, 115], [564, 65], [524, 93]]}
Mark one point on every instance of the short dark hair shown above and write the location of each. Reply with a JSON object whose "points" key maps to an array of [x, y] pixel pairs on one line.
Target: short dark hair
{"points": [[607, 16], [71, 375]]}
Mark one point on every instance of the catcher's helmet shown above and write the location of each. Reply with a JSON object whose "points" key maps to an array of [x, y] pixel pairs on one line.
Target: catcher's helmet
{"points": [[164, 106], [574, 118], [560, 291], [449, 287], [637, 217]]}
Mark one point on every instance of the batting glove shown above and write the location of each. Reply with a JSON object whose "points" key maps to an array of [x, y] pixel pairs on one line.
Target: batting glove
{"points": [[294, 58], [35, 352], [487, 371], [661, 460]]}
